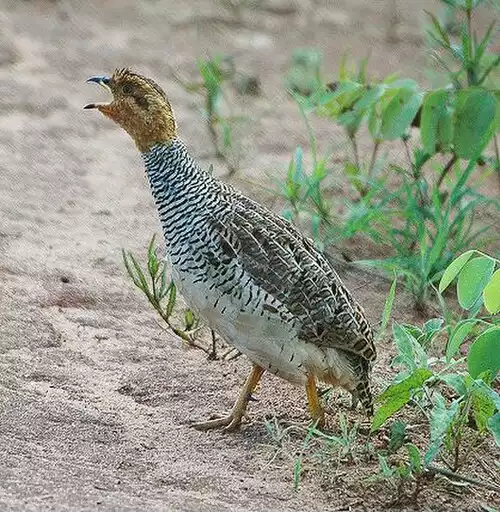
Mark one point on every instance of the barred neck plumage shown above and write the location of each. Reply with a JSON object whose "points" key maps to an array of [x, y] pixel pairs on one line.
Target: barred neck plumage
{"points": [[170, 168], [181, 189]]}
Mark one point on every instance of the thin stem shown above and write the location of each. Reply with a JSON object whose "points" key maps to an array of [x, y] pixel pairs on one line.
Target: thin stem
{"points": [[310, 133], [470, 71], [376, 147], [410, 161], [497, 155], [446, 170], [451, 474], [352, 138]]}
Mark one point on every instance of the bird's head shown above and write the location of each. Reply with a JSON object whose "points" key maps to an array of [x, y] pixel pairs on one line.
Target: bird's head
{"points": [[139, 106]]}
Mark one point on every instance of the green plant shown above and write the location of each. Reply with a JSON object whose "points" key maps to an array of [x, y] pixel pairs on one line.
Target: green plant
{"points": [[421, 380], [426, 209], [215, 74], [402, 475], [303, 76], [325, 446], [459, 405], [162, 294]]}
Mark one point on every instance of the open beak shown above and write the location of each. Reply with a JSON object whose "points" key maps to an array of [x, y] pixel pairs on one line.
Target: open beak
{"points": [[103, 81]]}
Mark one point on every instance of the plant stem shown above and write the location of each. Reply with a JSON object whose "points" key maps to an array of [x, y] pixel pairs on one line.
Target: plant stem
{"points": [[446, 170], [352, 138], [470, 69], [497, 155], [451, 474], [413, 167], [373, 158]]}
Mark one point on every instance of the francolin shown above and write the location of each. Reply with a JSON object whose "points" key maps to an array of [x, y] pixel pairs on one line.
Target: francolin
{"points": [[258, 282]]}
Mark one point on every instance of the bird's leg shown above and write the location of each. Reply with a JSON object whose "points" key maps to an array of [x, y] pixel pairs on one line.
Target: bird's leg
{"points": [[315, 407], [233, 420]]}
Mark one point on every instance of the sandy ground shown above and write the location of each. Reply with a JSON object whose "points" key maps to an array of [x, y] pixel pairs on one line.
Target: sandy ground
{"points": [[95, 399]]}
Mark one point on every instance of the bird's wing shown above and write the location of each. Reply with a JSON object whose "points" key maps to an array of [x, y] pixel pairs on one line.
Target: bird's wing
{"points": [[288, 267]]}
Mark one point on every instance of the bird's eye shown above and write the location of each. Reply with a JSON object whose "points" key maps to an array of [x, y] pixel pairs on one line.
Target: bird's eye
{"points": [[127, 88]]}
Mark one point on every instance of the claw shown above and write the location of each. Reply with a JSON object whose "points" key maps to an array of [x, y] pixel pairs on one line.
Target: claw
{"points": [[230, 423]]}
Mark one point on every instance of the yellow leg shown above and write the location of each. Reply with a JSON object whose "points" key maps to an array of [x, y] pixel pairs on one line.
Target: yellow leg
{"points": [[315, 408], [233, 420]]}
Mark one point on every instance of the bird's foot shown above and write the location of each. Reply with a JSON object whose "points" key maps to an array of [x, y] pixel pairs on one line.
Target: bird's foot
{"points": [[229, 423]]}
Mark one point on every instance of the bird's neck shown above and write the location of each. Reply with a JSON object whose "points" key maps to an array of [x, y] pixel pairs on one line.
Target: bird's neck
{"points": [[178, 184]]}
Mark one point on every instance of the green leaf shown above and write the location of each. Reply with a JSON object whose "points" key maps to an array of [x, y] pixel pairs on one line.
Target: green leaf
{"points": [[432, 326], [171, 299], [404, 343], [441, 419], [458, 336], [474, 122], [483, 407], [388, 307], [188, 319], [456, 382], [415, 458], [436, 121], [494, 427], [397, 437], [483, 45], [484, 353], [472, 280], [410, 352], [445, 40], [397, 396], [352, 172], [139, 274], [153, 264], [453, 270], [399, 113], [386, 471], [491, 294]]}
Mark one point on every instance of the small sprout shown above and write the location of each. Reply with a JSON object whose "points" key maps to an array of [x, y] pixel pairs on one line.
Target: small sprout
{"points": [[162, 296]]}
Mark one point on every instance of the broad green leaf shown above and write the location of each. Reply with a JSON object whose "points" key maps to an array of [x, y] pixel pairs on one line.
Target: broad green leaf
{"points": [[441, 419], [386, 471], [456, 382], [432, 327], [483, 407], [404, 343], [399, 114], [453, 270], [415, 458], [494, 427], [397, 396], [398, 436], [484, 353], [458, 336], [491, 294], [472, 280], [474, 122], [436, 121]]}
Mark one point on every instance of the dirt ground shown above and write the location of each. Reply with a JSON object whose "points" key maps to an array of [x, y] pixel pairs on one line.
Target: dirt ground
{"points": [[95, 398]]}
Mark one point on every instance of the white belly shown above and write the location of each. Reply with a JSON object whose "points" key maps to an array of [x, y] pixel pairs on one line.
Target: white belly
{"points": [[265, 338]]}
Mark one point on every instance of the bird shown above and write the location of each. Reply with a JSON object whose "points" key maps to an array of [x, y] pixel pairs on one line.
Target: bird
{"points": [[260, 283]]}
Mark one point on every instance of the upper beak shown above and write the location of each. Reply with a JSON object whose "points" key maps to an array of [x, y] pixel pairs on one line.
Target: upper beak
{"points": [[102, 81]]}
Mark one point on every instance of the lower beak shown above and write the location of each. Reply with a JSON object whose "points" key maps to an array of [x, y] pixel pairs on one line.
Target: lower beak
{"points": [[103, 81]]}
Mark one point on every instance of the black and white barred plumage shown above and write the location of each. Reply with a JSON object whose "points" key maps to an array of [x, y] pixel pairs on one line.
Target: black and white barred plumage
{"points": [[257, 280]]}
